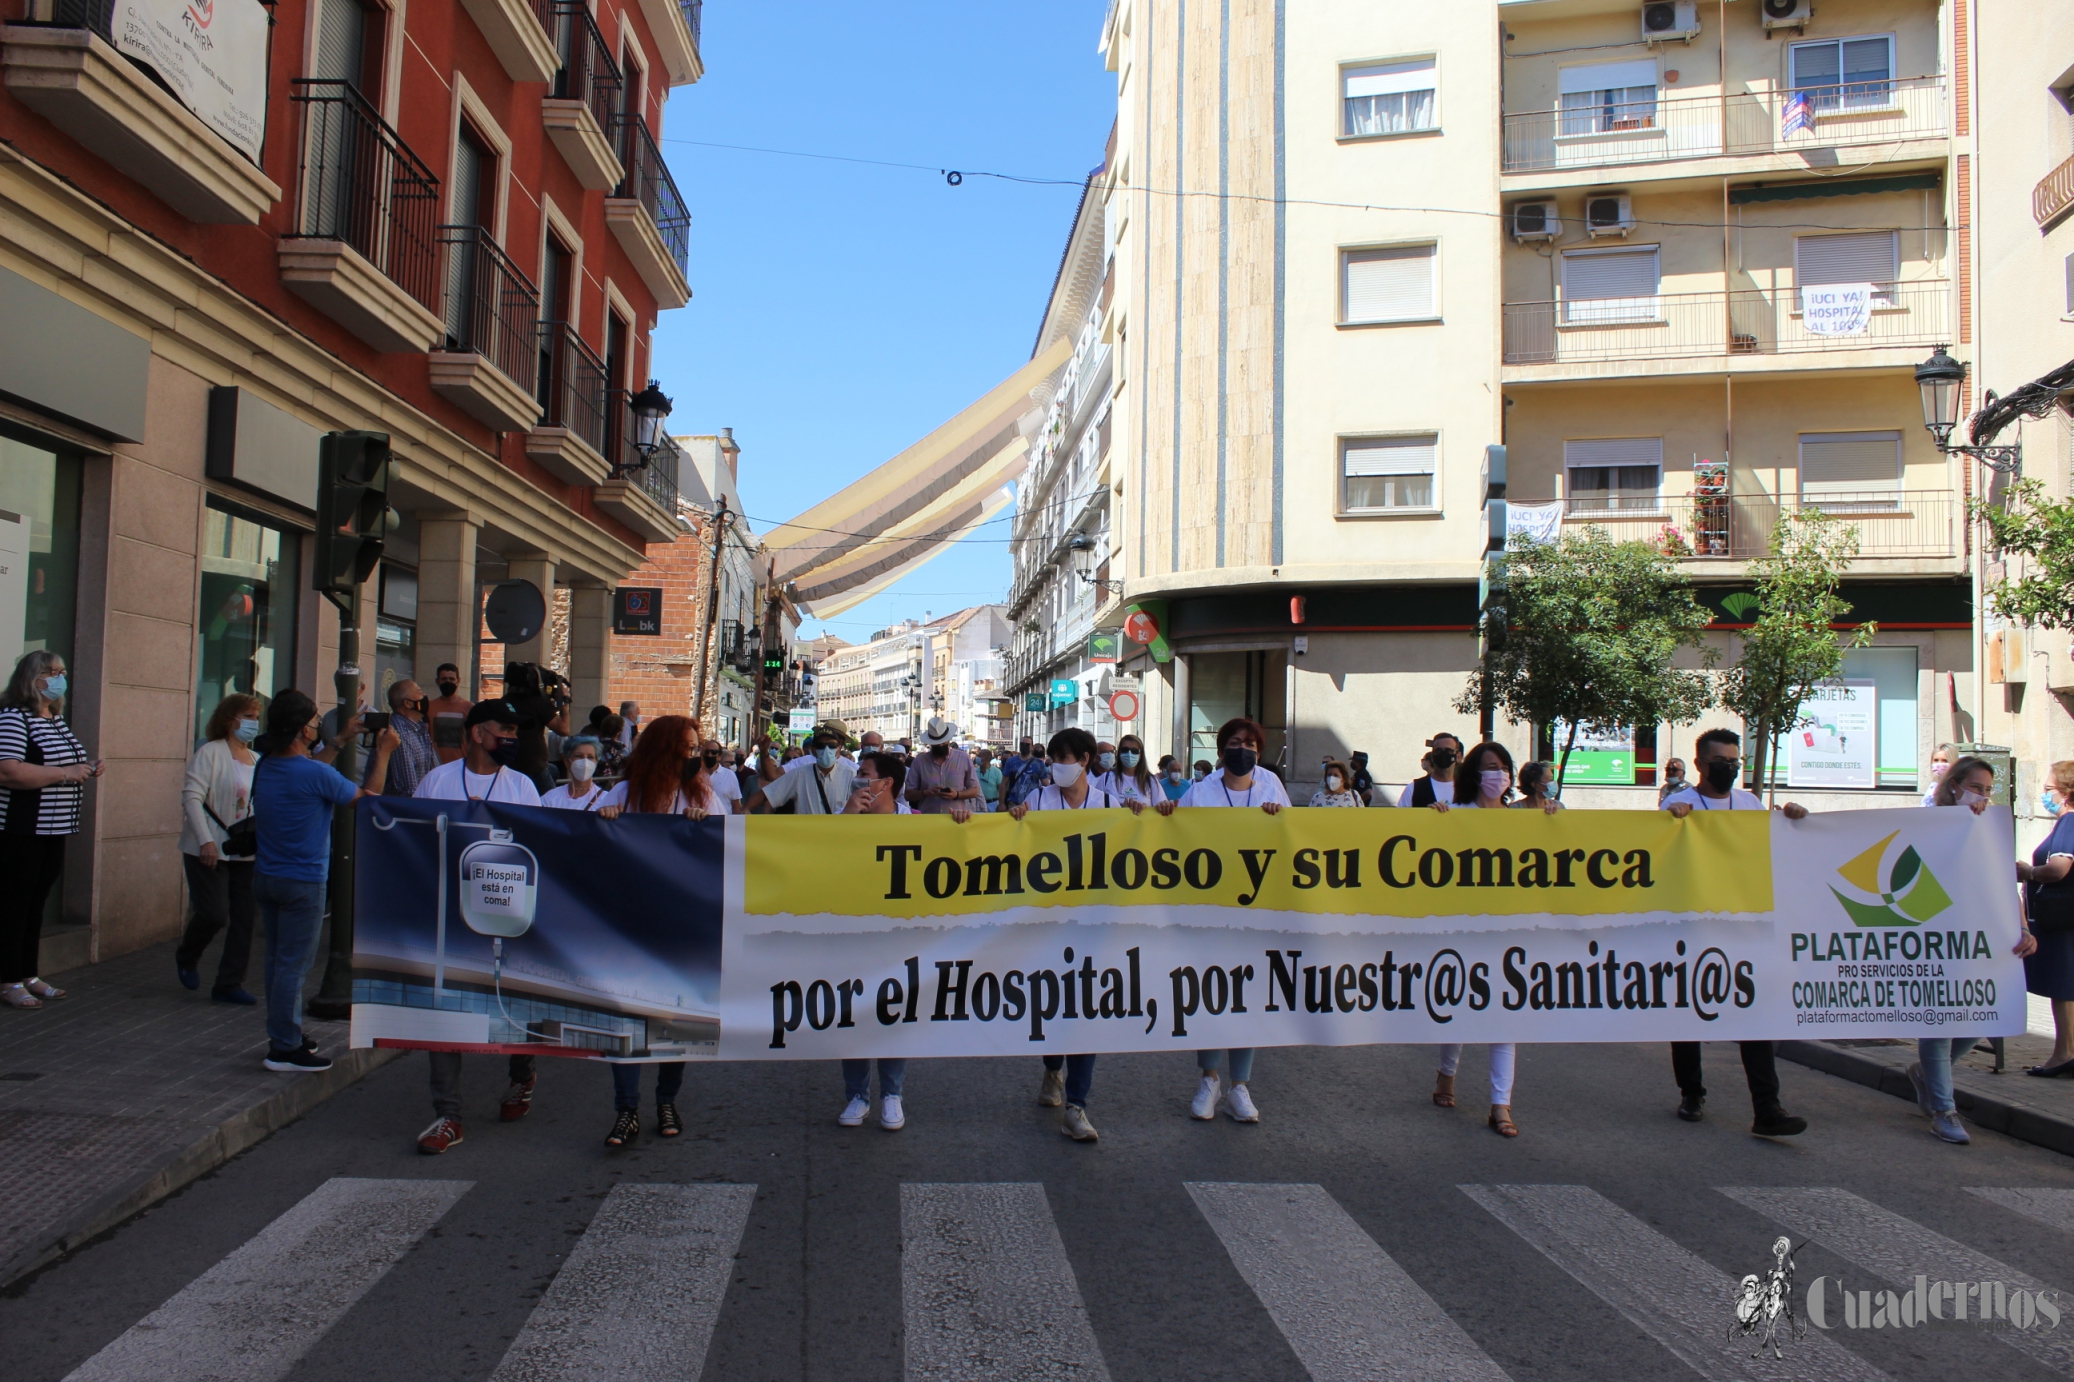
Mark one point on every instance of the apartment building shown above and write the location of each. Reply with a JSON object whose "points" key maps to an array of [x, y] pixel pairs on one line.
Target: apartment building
{"points": [[1679, 259], [965, 657], [231, 228], [877, 684]]}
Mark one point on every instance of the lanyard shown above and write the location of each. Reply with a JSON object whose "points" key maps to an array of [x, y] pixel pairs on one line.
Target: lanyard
{"points": [[486, 792], [1227, 793]]}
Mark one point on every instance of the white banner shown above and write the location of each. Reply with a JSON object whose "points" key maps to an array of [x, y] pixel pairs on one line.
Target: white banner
{"points": [[1837, 309], [212, 53]]}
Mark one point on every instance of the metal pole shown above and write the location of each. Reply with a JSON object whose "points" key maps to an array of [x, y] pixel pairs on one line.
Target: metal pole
{"points": [[707, 632], [334, 1000]]}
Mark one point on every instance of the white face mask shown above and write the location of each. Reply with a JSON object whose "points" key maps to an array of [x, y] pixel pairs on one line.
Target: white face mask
{"points": [[1065, 774], [1969, 797], [582, 769], [1332, 784]]}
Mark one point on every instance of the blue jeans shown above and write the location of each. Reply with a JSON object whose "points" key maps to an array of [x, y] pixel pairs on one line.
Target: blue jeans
{"points": [[1080, 1076], [293, 913], [1241, 1063], [857, 1078], [626, 1085], [1937, 1055]]}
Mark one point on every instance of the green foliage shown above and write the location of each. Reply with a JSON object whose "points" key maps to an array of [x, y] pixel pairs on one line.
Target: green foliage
{"points": [[2033, 525], [1791, 647], [1593, 626]]}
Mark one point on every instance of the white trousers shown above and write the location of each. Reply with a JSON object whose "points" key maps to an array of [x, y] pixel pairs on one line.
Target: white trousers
{"points": [[1503, 1058]]}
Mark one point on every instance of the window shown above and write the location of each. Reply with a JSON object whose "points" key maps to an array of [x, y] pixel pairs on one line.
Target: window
{"points": [[1383, 473], [1845, 74], [1848, 471], [1389, 98], [1862, 256], [1614, 474], [1608, 97], [1387, 285], [1617, 285], [1893, 674], [39, 549], [251, 574]]}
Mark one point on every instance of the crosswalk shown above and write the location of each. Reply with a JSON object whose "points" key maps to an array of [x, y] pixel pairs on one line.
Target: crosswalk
{"points": [[989, 1293]]}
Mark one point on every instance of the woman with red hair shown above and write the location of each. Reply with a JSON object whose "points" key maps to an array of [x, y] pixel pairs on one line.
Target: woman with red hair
{"points": [[664, 776]]}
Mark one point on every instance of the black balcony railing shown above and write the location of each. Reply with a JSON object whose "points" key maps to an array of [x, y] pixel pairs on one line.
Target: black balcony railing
{"points": [[98, 15], [361, 184], [655, 473], [572, 384], [691, 10], [648, 182], [588, 72], [492, 309]]}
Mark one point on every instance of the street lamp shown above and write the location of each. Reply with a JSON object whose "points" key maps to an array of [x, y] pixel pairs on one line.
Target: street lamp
{"points": [[1939, 378], [1083, 549], [650, 408]]}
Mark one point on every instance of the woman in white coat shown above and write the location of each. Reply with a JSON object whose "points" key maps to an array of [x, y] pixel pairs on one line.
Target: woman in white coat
{"points": [[216, 796]]}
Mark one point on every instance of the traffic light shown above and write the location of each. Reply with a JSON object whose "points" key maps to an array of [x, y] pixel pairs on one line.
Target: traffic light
{"points": [[353, 513]]}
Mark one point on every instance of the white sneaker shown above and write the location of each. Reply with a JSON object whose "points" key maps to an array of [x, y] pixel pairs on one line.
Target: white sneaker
{"points": [[1205, 1105], [891, 1116], [855, 1112], [1239, 1104]]}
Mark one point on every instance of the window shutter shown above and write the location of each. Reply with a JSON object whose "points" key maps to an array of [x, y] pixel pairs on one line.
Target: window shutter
{"points": [[1607, 76], [1388, 79], [1390, 455], [1870, 256], [341, 41], [1389, 285], [1614, 451], [1610, 274], [1850, 463]]}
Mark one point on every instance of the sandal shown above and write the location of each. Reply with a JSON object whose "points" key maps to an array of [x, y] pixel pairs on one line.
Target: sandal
{"points": [[625, 1128], [1444, 1091], [1501, 1121], [42, 989], [15, 996], [667, 1123]]}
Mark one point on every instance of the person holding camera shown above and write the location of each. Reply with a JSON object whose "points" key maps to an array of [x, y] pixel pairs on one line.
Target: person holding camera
{"points": [[216, 796]]}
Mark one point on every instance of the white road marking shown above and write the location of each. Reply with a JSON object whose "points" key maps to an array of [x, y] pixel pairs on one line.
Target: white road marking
{"points": [[1682, 1301], [987, 1290], [253, 1315], [1349, 1312], [640, 1292], [2053, 1208], [1899, 1250]]}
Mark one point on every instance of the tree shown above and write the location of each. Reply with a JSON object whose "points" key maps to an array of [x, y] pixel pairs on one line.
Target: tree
{"points": [[1793, 646], [2041, 528], [1592, 626]]}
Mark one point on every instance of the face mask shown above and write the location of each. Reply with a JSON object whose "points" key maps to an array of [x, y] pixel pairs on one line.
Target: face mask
{"points": [[1173, 774], [1200, 774], [1239, 761], [1127, 758], [1332, 784], [582, 769], [1675, 775], [247, 731], [448, 688], [1495, 781], [1722, 775], [1108, 762], [1443, 759], [56, 685], [1969, 797], [939, 750], [1065, 774], [824, 757], [1937, 769], [505, 751]]}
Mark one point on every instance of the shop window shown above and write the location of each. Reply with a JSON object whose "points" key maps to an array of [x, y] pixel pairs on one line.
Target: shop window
{"points": [[39, 549], [396, 632], [1893, 674], [251, 577], [1222, 686]]}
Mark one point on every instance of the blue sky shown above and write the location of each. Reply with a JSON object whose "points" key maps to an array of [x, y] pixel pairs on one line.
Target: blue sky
{"points": [[842, 311]]}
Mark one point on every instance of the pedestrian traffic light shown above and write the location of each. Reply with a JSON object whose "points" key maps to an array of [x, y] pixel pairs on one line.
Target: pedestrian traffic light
{"points": [[353, 513]]}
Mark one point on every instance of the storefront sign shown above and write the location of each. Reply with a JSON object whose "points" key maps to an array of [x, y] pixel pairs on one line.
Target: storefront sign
{"points": [[1603, 756], [1101, 647], [1064, 692], [800, 721], [638, 610], [1835, 742], [212, 54], [1035, 700]]}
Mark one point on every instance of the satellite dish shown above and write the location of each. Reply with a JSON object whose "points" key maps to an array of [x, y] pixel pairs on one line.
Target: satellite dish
{"points": [[515, 612]]}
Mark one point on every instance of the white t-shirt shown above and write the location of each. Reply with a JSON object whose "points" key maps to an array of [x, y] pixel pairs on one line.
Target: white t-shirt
{"points": [[1211, 791], [559, 799], [726, 786], [799, 788], [453, 782], [1049, 798], [618, 797], [1124, 787], [1738, 800]]}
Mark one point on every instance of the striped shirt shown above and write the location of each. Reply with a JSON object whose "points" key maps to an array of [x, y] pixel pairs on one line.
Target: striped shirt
{"points": [[49, 741]]}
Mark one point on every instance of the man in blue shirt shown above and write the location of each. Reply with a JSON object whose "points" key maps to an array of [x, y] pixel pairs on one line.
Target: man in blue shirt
{"points": [[294, 793]]}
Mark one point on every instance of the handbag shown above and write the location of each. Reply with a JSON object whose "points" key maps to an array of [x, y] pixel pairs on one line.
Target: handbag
{"points": [[241, 838]]}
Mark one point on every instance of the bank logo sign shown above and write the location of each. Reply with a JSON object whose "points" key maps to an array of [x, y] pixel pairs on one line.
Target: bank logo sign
{"points": [[1903, 893]]}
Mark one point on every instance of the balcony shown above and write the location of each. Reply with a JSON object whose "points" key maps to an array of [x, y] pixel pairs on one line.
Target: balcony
{"points": [[585, 103], [642, 490], [1747, 124], [569, 439], [2053, 195], [648, 217], [491, 363], [521, 34], [366, 249], [70, 73], [1746, 322], [1891, 523]]}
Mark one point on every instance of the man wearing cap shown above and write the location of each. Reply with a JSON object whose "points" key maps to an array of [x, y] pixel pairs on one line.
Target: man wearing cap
{"points": [[941, 776], [483, 773], [822, 788]]}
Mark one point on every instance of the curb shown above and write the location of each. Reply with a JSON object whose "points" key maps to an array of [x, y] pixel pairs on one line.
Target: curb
{"points": [[239, 1133], [1983, 1111]]}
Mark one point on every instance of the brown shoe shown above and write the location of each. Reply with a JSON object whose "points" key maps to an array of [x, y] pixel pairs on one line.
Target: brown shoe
{"points": [[1501, 1121], [518, 1100], [1444, 1091]]}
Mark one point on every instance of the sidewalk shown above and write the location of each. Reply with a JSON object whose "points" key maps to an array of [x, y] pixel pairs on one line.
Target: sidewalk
{"points": [[119, 1094], [2031, 1110]]}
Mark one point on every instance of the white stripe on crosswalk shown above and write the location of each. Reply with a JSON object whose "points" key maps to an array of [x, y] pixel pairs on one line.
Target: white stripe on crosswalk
{"points": [[250, 1317], [640, 1292], [2053, 1208], [1675, 1297], [988, 1293], [1899, 1250], [1349, 1312]]}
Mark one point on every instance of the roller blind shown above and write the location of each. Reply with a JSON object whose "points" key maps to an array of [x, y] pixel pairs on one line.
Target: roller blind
{"points": [[1865, 256], [1388, 284], [1614, 451], [1387, 79], [1390, 455], [1607, 76], [1610, 273], [341, 41], [1839, 463]]}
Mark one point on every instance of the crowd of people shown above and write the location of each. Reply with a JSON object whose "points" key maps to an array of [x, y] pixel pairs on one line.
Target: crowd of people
{"points": [[261, 790]]}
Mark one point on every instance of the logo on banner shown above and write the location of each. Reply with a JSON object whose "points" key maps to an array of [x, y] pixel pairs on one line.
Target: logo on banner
{"points": [[1910, 896]]}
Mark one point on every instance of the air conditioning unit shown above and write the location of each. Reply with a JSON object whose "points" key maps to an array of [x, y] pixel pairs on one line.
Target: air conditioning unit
{"points": [[1786, 14], [1535, 221], [1608, 213], [1665, 20]]}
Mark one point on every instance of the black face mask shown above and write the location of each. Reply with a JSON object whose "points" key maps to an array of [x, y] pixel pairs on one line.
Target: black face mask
{"points": [[1239, 761], [505, 751], [711, 758], [1722, 774], [939, 750], [448, 688], [1443, 759]]}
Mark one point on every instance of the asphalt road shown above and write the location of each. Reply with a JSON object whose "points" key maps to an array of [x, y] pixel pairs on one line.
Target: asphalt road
{"points": [[1355, 1232]]}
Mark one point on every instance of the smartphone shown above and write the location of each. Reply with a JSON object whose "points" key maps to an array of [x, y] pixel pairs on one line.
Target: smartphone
{"points": [[374, 721]]}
